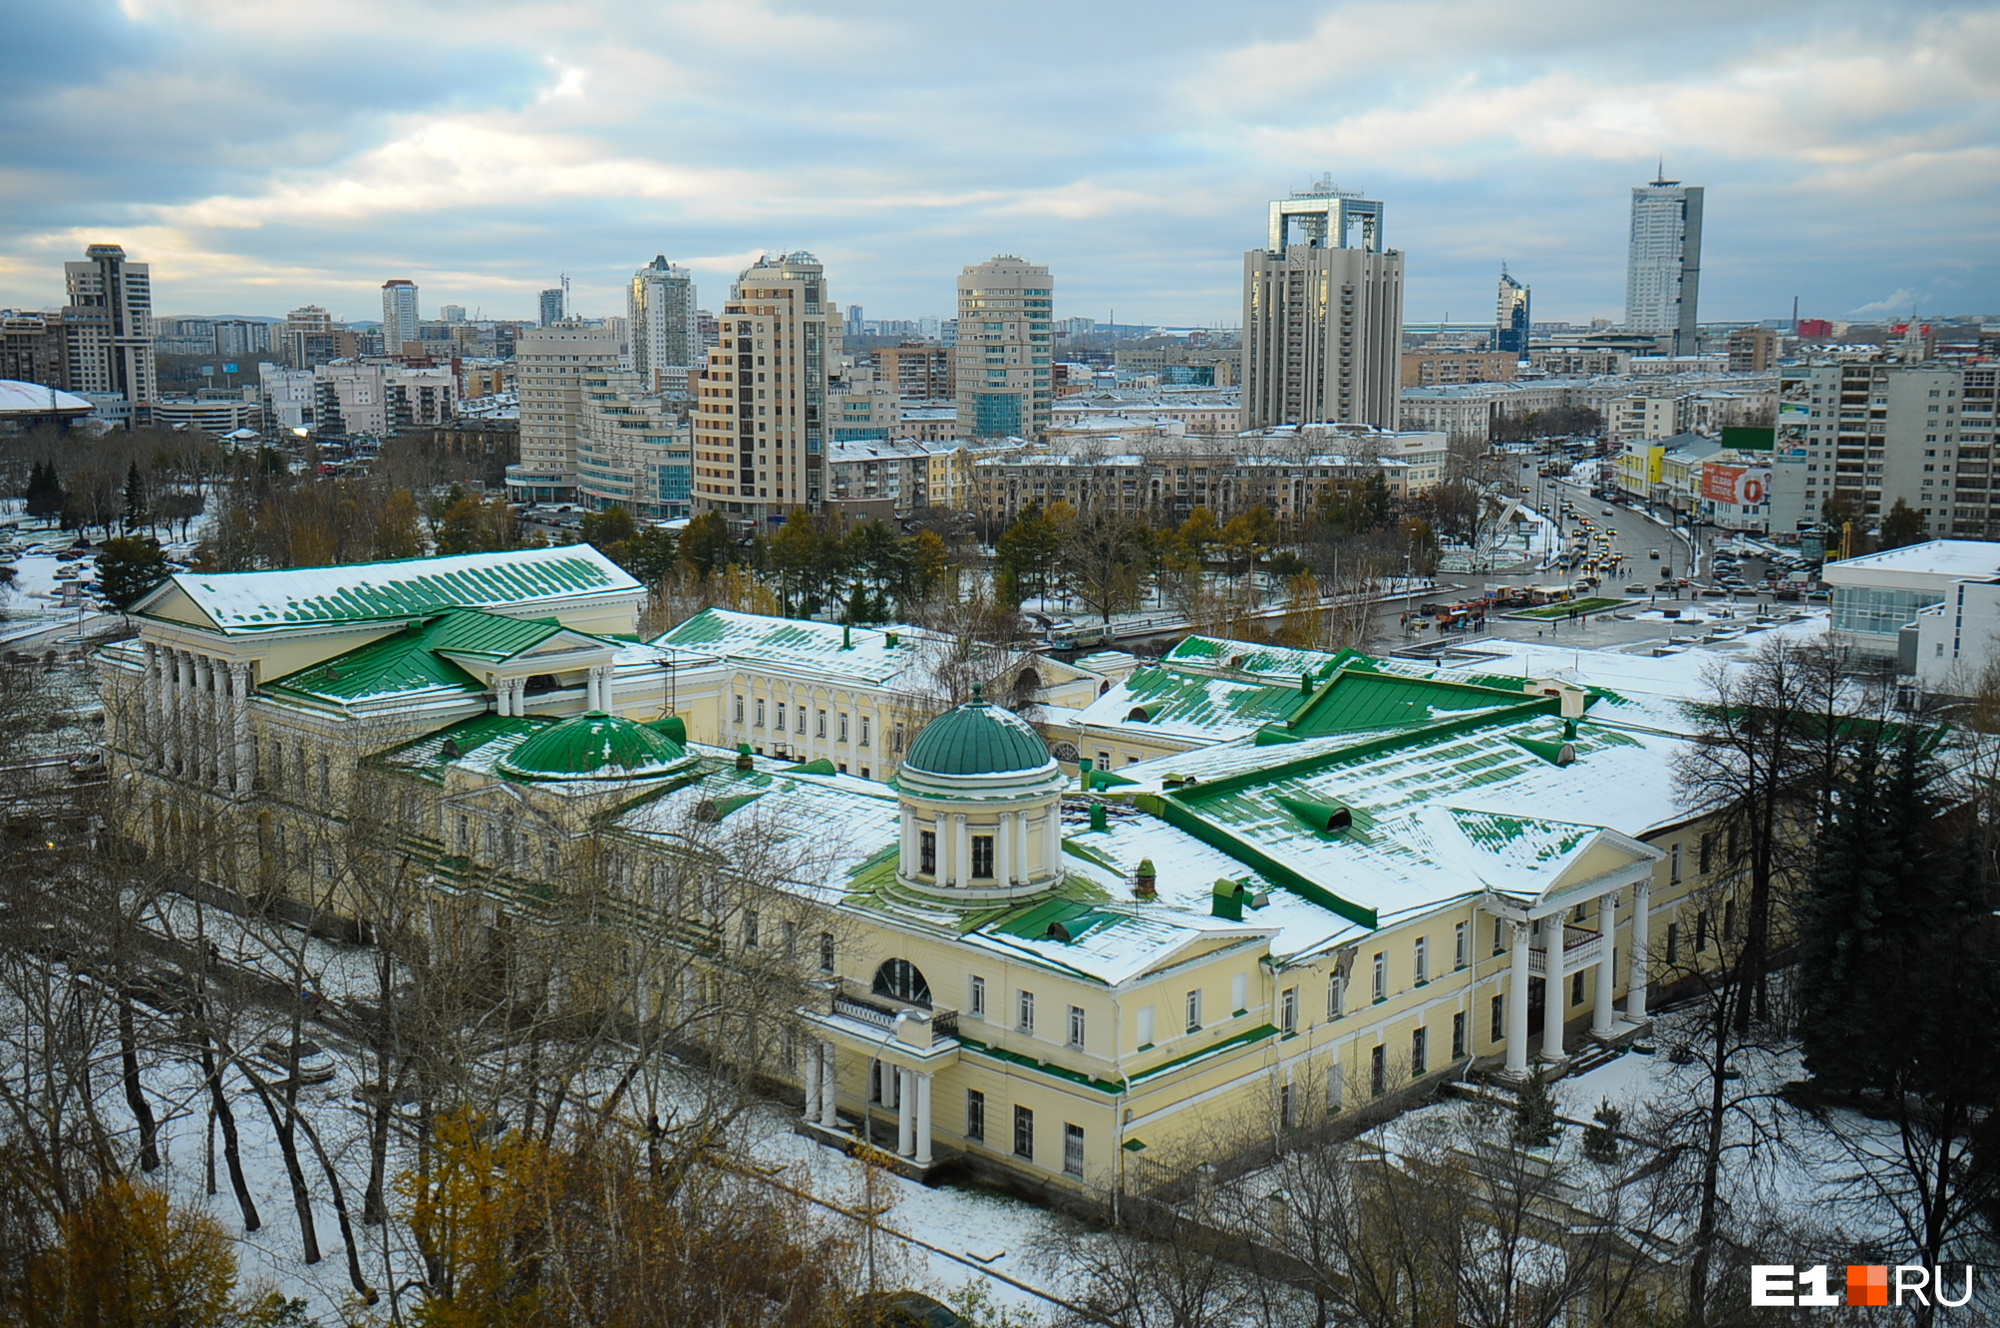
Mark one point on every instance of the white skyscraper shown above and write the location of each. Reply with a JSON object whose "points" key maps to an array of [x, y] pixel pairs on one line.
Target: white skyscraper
{"points": [[1322, 323], [1663, 265], [660, 309], [399, 314], [1005, 348]]}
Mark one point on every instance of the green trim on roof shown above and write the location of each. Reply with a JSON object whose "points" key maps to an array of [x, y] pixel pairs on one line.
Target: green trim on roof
{"points": [[1258, 1034], [1016, 1059]]}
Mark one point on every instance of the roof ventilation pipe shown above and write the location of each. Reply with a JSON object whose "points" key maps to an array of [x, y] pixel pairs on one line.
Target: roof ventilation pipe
{"points": [[1318, 816]]}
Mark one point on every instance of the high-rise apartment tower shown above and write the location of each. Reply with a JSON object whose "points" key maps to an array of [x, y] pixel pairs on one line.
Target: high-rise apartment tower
{"points": [[1005, 349], [1322, 322], [659, 313], [1663, 264], [552, 306], [399, 315], [108, 330], [1512, 318], [549, 366], [760, 419]]}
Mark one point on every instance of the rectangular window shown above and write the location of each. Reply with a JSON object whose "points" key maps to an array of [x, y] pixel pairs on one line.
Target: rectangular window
{"points": [[1674, 877], [1498, 1032], [791, 934], [1381, 976], [1458, 1036], [1461, 945], [1576, 988], [1073, 1149], [739, 709], [975, 1115], [749, 929], [1336, 1080], [1286, 1117], [760, 712], [1423, 960], [978, 998], [865, 719], [1076, 1026], [780, 726], [1419, 1046], [1145, 1026], [843, 726], [1194, 1012], [1024, 1012], [899, 737], [1729, 919], [1701, 932], [1673, 941], [826, 952], [1378, 1071], [982, 856], [1288, 1010], [1336, 996], [1499, 935], [800, 721], [1239, 993], [927, 852], [1707, 849], [821, 731], [1024, 1133]]}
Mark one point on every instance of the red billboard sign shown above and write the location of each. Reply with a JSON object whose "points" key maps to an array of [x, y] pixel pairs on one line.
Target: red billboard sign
{"points": [[1744, 485]]}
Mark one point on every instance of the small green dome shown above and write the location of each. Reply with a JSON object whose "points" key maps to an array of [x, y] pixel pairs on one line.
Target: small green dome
{"points": [[593, 746], [977, 739]]}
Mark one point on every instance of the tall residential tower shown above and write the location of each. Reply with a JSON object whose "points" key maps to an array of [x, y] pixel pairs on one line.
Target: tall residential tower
{"points": [[399, 315], [760, 426], [659, 314], [108, 332], [1005, 349], [1663, 264], [1322, 322]]}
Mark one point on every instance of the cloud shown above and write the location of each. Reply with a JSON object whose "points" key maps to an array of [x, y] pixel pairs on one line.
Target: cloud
{"points": [[265, 155]]}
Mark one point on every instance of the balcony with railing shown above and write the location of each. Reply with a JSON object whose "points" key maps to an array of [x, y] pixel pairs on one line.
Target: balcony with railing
{"points": [[1582, 947], [850, 1000]]}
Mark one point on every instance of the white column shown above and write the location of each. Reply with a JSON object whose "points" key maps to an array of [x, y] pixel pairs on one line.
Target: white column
{"points": [[911, 864], [1003, 850], [906, 1115], [923, 1120], [1025, 864], [590, 689], [204, 719], [517, 688], [246, 754], [829, 1113], [604, 687], [961, 843], [1052, 850], [1517, 1003], [172, 702], [1635, 983], [812, 1078], [152, 694], [1554, 997], [1607, 926]]}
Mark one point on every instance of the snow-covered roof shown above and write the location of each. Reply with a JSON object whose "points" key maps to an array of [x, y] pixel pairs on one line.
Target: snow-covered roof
{"points": [[872, 656], [18, 398], [1946, 559], [523, 579]]}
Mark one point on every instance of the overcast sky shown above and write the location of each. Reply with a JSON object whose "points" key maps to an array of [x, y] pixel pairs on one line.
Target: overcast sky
{"points": [[265, 154]]}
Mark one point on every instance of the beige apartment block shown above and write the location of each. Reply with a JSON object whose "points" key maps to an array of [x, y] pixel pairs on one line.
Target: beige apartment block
{"points": [[1004, 353], [760, 426]]}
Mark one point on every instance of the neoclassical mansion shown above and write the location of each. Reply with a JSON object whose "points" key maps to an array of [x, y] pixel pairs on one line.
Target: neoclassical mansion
{"points": [[1048, 970]]}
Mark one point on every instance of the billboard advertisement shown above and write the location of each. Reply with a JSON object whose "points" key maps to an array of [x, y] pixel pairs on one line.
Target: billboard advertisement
{"points": [[1744, 485]]}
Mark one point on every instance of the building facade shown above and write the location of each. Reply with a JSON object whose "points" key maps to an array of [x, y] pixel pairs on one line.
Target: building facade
{"points": [[1513, 319], [659, 320], [550, 364], [918, 372], [760, 410], [1006, 351], [1663, 263], [400, 318], [108, 333], [552, 306], [1322, 322], [632, 450]]}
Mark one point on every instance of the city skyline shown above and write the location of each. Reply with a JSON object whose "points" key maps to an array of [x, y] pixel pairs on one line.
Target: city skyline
{"points": [[566, 142]]}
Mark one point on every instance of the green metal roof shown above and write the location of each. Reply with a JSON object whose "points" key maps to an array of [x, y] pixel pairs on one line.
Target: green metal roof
{"points": [[593, 746], [413, 660], [977, 738], [1359, 700]]}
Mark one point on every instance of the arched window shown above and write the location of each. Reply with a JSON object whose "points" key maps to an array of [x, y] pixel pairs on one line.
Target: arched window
{"points": [[903, 980]]}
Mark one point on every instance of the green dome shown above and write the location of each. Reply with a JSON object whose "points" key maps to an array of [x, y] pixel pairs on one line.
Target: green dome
{"points": [[977, 739], [593, 746]]}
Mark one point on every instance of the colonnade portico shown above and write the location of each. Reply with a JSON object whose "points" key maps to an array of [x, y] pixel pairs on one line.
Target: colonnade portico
{"points": [[1555, 960], [196, 715], [905, 1088]]}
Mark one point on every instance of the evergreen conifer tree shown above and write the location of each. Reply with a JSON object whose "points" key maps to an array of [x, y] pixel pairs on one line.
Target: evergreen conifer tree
{"points": [[135, 497], [1535, 1122], [1600, 1138]]}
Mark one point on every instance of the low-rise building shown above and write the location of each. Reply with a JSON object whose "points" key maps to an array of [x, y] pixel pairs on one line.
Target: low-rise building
{"points": [[1429, 368], [1878, 595]]}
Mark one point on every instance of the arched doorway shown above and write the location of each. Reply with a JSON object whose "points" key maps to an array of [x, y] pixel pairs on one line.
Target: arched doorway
{"points": [[903, 980]]}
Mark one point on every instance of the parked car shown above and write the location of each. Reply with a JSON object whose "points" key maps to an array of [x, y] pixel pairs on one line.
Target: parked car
{"points": [[1654, 554], [1636, 589]]}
